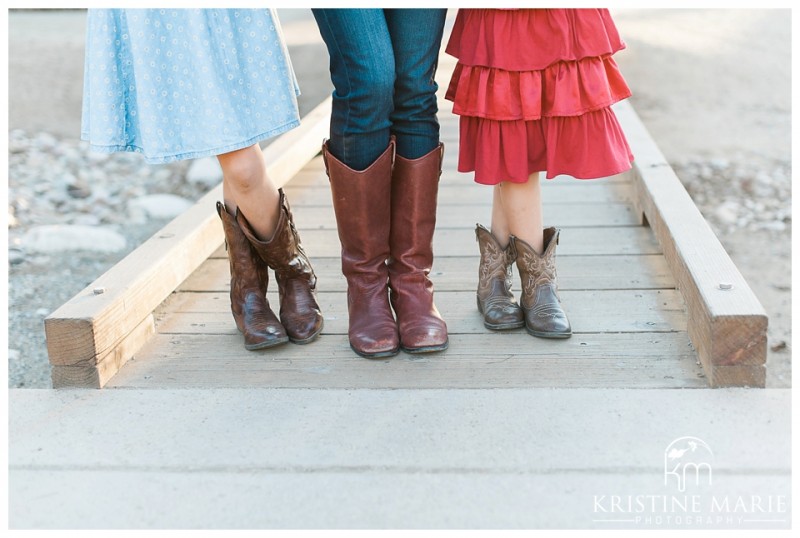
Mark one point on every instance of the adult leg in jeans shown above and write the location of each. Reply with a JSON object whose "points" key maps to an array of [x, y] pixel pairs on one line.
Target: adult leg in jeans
{"points": [[416, 37], [363, 75], [358, 158]]}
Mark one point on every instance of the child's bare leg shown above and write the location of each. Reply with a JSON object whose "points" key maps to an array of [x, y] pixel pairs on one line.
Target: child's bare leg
{"points": [[245, 184], [255, 243], [499, 221], [495, 300], [522, 209]]}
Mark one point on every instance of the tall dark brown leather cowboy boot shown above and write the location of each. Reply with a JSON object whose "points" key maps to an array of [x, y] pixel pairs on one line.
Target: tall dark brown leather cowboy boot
{"points": [[495, 300], [249, 278], [362, 204], [544, 316], [415, 184], [297, 283]]}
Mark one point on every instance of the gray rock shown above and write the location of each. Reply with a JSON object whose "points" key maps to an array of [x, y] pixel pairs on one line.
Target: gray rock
{"points": [[97, 157], [134, 191], [65, 179], [13, 354], [58, 196], [205, 172], [22, 204], [764, 178], [727, 213], [86, 219], [45, 141], [720, 164], [159, 206], [161, 175], [70, 237], [15, 256], [92, 176], [101, 194], [775, 226], [79, 190]]}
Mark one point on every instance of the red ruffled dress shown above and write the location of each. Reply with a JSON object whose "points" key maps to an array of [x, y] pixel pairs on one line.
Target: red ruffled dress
{"points": [[533, 88]]}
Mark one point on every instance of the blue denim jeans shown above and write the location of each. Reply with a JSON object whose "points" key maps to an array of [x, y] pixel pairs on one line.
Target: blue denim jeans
{"points": [[382, 64]]}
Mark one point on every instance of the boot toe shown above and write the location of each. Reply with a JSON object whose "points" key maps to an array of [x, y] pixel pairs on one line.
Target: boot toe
{"points": [[259, 325], [507, 317], [264, 338], [375, 346], [550, 327], [304, 330], [425, 338]]}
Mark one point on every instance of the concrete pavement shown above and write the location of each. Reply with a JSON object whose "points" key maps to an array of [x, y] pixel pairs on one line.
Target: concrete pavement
{"points": [[294, 458]]}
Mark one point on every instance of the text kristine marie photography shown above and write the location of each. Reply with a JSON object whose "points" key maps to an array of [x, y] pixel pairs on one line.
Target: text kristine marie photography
{"points": [[691, 496]]}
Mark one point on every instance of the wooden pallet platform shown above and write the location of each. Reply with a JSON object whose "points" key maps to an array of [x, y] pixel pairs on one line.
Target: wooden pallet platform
{"points": [[644, 302]]}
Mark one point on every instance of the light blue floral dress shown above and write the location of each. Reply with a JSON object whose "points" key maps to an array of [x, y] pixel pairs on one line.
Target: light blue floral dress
{"points": [[184, 83]]}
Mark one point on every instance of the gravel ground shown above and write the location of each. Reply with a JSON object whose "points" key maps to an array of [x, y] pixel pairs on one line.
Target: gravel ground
{"points": [[59, 194], [732, 155]]}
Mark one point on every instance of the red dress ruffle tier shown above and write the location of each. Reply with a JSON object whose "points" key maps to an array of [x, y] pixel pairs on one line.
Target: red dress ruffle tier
{"points": [[534, 88]]}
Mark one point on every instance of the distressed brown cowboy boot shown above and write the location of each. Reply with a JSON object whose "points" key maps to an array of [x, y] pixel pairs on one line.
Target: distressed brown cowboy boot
{"points": [[249, 278], [297, 283], [415, 184], [544, 316], [362, 204], [495, 300]]}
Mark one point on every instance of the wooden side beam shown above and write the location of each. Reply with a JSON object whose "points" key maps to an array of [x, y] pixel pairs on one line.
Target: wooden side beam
{"points": [[92, 335], [727, 323]]}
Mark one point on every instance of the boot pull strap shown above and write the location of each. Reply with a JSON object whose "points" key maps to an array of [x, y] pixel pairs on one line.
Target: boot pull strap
{"points": [[325, 157], [441, 158]]}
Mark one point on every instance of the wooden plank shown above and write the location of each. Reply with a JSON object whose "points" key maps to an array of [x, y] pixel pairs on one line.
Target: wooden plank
{"points": [[89, 326], [455, 195], [588, 311], [640, 360], [742, 375], [600, 241], [314, 175], [728, 327], [464, 215], [94, 376], [461, 273], [565, 215]]}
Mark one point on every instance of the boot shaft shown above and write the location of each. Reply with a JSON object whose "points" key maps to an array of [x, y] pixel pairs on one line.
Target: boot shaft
{"points": [[362, 204], [283, 252], [247, 273], [495, 263], [536, 269], [415, 187]]}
